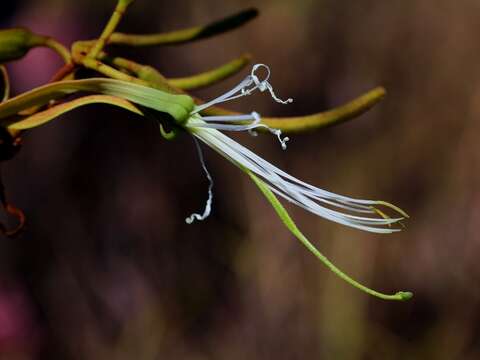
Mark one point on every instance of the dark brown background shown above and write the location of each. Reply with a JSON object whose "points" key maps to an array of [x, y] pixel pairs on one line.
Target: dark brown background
{"points": [[107, 268]]}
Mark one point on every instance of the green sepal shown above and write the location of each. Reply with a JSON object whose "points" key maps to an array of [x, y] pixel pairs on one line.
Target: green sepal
{"points": [[177, 106], [290, 224]]}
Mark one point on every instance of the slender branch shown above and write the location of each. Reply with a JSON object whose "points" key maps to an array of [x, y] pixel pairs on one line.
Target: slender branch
{"points": [[63, 72], [112, 24], [144, 72], [147, 76], [186, 35], [59, 49], [211, 77], [335, 116], [111, 72]]}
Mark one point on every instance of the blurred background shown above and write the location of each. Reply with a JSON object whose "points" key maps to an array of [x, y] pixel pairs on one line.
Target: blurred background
{"points": [[107, 267]]}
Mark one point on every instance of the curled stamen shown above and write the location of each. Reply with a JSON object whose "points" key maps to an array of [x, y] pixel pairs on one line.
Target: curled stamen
{"points": [[247, 122], [208, 205], [229, 95], [278, 133], [265, 85], [244, 89]]}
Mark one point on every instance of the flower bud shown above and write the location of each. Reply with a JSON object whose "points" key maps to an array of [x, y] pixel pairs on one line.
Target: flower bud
{"points": [[15, 43]]}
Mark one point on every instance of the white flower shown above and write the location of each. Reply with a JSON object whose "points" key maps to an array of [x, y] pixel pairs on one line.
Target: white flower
{"points": [[356, 213]]}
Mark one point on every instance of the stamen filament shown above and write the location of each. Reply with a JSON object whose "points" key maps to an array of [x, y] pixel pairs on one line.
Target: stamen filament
{"points": [[243, 89], [208, 205]]}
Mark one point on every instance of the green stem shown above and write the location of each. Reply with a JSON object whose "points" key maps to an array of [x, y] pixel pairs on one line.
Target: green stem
{"points": [[143, 72], [59, 49], [112, 24], [290, 224], [110, 72], [185, 35], [211, 77], [335, 116]]}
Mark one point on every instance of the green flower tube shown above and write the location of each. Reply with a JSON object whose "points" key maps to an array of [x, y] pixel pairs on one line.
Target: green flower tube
{"points": [[15, 43]]}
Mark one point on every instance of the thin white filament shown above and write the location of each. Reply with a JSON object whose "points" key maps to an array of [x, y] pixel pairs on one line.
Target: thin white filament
{"points": [[294, 194], [250, 121], [296, 191], [208, 205], [224, 122], [244, 89], [265, 85]]}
